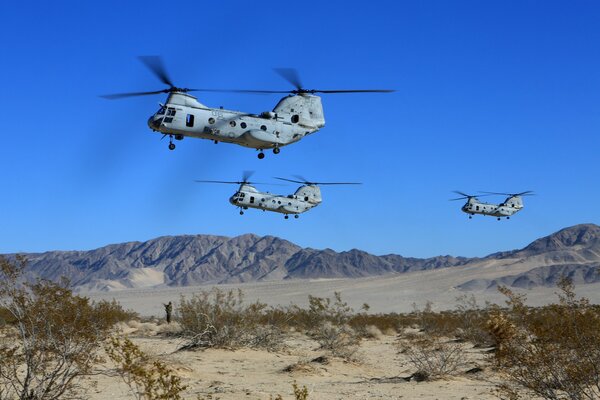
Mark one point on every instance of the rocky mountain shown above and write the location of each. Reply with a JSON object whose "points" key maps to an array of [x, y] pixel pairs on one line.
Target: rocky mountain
{"points": [[573, 252], [199, 259]]}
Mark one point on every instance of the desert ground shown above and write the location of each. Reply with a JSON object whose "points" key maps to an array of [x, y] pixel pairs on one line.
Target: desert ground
{"points": [[377, 371]]}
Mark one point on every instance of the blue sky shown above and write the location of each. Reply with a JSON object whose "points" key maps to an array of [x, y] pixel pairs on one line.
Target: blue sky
{"points": [[494, 96]]}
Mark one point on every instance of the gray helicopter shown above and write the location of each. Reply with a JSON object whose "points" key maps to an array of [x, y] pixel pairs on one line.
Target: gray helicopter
{"points": [[510, 206], [304, 198], [297, 115]]}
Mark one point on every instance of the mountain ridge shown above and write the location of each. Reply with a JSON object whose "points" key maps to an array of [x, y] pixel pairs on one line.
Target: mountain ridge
{"points": [[189, 260]]}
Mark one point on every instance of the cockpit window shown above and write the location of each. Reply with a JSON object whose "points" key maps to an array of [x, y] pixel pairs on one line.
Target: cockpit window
{"points": [[171, 112], [161, 111]]}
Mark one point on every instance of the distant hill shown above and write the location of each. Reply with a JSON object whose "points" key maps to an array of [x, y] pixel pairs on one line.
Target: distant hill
{"points": [[573, 252], [200, 259]]}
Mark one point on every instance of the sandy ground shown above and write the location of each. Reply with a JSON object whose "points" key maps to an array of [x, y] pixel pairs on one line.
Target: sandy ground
{"points": [[257, 374], [390, 293]]}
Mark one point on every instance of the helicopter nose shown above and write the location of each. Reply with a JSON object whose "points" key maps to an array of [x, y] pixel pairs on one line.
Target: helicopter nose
{"points": [[154, 124]]}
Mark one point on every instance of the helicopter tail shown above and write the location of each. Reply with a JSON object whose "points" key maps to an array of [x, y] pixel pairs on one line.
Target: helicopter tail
{"points": [[514, 201], [310, 193], [304, 110]]}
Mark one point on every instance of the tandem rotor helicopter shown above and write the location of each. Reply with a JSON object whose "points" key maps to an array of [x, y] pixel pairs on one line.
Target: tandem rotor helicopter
{"points": [[511, 205], [298, 114], [304, 198]]}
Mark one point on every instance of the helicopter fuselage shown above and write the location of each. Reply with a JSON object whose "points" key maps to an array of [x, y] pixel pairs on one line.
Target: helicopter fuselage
{"points": [[305, 198], [290, 121], [509, 207]]}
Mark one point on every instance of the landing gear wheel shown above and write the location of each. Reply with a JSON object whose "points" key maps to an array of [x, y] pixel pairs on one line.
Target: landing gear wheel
{"points": [[261, 155], [498, 218], [296, 216], [241, 212], [286, 216], [507, 217], [276, 150], [171, 146], [470, 216]]}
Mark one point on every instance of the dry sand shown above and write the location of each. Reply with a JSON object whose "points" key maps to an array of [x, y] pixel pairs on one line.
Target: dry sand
{"points": [[257, 374]]}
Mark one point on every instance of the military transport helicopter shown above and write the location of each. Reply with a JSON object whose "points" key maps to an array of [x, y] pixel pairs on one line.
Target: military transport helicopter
{"points": [[298, 114], [508, 207], [306, 196]]}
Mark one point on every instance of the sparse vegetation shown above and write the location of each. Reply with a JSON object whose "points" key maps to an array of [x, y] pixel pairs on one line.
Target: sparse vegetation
{"points": [[53, 338], [433, 357], [147, 379], [221, 319], [551, 351]]}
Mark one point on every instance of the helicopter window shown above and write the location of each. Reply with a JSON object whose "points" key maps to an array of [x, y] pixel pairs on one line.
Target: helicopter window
{"points": [[263, 127], [211, 120], [290, 196], [295, 118], [289, 204], [477, 208], [279, 202], [171, 112], [305, 198], [161, 111], [189, 120], [232, 124], [243, 125], [251, 199], [168, 119]]}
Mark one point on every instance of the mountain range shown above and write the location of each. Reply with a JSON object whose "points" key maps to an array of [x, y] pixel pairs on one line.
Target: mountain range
{"points": [[191, 260]]}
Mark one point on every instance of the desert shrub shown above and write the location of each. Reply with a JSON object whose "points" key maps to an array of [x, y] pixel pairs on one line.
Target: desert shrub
{"points": [[147, 379], [221, 319], [390, 322], [443, 323], [54, 338], [552, 351], [472, 321], [329, 325], [300, 393], [112, 312], [433, 357]]}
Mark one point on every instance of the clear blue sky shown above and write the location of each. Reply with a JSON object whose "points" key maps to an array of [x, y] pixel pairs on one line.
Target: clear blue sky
{"points": [[491, 95]]}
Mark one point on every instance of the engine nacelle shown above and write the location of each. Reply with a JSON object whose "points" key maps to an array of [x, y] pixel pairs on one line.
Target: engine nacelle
{"points": [[268, 115]]}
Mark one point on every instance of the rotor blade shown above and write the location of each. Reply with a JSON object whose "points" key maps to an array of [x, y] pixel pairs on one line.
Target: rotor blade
{"points": [[462, 194], [336, 183], [354, 91], [131, 94], [228, 182], [289, 180], [246, 175], [300, 177], [239, 91], [155, 64], [290, 75], [460, 198], [526, 193], [298, 91], [305, 182]]}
